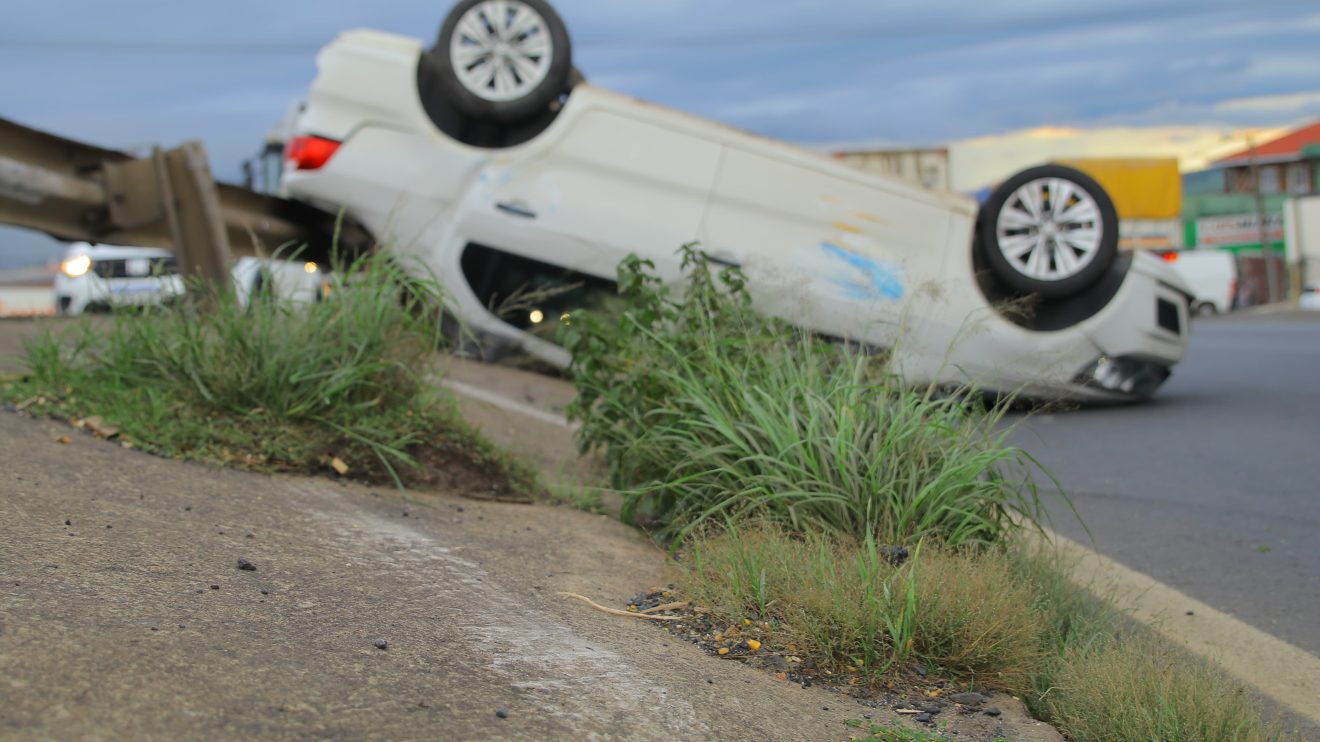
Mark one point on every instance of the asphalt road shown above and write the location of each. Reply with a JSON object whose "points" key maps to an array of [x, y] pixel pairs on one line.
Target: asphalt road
{"points": [[1213, 487]]}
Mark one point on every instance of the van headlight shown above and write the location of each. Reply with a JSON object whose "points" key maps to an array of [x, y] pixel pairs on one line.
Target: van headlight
{"points": [[76, 266]]}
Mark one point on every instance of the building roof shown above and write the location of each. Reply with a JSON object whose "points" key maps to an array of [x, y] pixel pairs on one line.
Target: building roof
{"points": [[1287, 147]]}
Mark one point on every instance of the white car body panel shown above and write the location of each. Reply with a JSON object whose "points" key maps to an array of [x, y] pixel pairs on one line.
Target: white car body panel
{"points": [[840, 251]]}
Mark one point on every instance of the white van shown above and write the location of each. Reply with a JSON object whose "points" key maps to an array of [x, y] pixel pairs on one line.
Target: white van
{"points": [[1212, 276]]}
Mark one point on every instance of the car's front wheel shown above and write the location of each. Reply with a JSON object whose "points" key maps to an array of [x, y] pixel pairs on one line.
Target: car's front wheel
{"points": [[503, 60], [1049, 230]]}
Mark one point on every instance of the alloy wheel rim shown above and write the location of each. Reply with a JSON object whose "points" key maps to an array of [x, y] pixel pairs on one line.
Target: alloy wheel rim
{"points": [[1049, 229], [501, 50]]}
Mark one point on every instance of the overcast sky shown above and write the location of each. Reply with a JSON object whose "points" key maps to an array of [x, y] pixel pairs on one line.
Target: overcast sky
{"points": [[1146, 75]]}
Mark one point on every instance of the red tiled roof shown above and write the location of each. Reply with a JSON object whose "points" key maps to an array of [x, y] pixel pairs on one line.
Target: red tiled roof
{"points": [[1285, 146]]}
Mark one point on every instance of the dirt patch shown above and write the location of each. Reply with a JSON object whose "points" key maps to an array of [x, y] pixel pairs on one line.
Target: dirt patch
{"points": [[450, 467], [913, 699]]}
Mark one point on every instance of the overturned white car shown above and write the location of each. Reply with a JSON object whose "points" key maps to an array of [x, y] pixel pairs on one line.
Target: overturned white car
{"points": [[491, 160]]}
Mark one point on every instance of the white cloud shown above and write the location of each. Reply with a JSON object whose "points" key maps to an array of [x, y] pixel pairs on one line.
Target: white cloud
{"points": [[1282, 104]]}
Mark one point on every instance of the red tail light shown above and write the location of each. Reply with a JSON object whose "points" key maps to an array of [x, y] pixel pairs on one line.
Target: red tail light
{"points": [[1170, 257], [309, 153]]}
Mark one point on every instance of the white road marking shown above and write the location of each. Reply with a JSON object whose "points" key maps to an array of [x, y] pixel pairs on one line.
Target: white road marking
{"points": [[509, 405], [1273, 667]]}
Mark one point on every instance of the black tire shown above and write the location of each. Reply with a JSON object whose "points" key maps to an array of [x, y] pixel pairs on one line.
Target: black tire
{"points": [[1011, 272], [535, 101]]}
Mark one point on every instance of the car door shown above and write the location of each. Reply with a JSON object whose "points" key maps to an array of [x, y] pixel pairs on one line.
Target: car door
{"points": [[606, 181], [824, 246]]}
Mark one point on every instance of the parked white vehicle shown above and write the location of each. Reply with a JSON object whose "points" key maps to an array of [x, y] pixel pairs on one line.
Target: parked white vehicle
{"points": [[99, 277], [1212, 276], [297, 281], [96, 278], [1310, 299], [489, 159]]}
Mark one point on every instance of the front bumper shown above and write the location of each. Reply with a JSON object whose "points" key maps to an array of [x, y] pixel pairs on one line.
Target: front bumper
{"points": [[90, 292]]}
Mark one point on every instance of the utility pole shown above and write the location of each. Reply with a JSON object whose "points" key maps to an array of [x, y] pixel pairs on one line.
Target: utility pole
{"points": [[1266, 249]]}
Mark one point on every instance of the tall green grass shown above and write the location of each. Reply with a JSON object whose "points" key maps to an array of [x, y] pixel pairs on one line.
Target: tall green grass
{"points": [[270, 385], [706, 410], [780, 462]]}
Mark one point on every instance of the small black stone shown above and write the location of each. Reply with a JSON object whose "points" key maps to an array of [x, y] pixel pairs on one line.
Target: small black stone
{"points": [[68, 522], [183, 626], [405, 513], [922, 718], [250, 535], [895, 555], [931, 709], [215, 587], [187, 507], [381, 644], [264, 591], [992, 711], [109, 526], [967, 699], [1191, 613], [153, 628], [246, 566], [459, 508], [502, 712]]}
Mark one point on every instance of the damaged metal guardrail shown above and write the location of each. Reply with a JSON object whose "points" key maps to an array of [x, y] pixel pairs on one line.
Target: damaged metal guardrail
{"points": [[76, 191]]}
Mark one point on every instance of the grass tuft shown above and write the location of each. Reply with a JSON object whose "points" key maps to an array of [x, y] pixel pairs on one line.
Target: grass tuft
{"points": [[852, 609], [272, 385], [708, 412], [787, 467], [1132, 687]]}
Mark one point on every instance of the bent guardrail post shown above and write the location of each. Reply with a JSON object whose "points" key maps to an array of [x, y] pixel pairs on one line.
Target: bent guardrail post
{"points": [[76, 191]]}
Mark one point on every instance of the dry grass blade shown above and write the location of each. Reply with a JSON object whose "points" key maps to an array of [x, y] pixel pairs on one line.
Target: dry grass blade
{"points": [[617, 612]]}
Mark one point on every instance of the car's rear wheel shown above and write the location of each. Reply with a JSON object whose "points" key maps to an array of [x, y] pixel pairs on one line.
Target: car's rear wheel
{"points": [[503, 60], [1049, 230]]}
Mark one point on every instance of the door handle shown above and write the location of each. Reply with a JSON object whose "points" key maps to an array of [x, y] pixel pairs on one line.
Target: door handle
{"points": [[516, 208]]}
